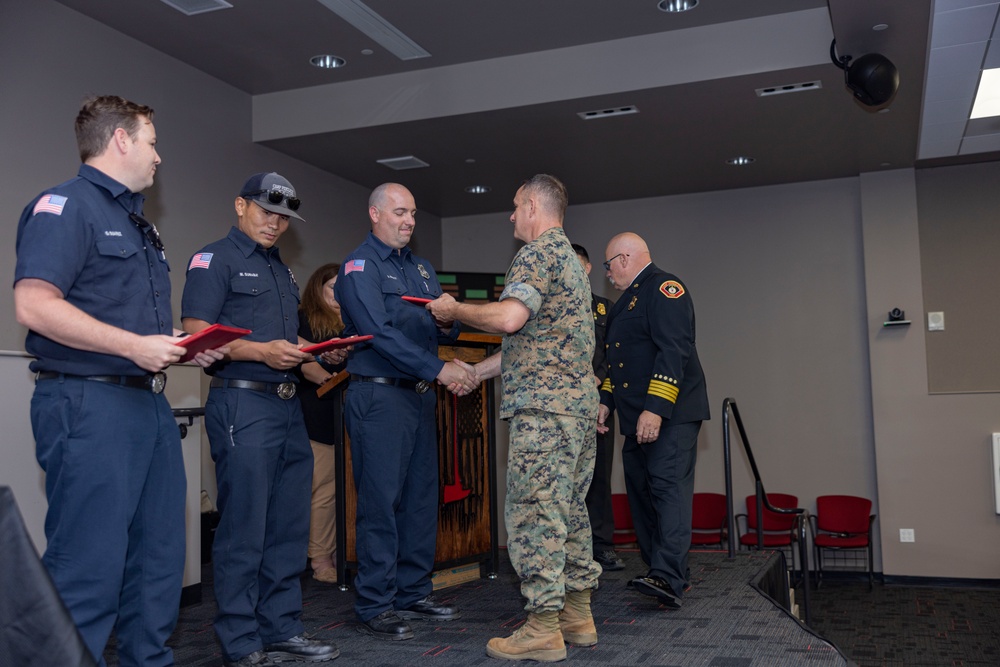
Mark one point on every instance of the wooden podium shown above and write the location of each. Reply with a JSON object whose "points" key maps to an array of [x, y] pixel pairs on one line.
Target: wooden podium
{"points": [[467, 495]]}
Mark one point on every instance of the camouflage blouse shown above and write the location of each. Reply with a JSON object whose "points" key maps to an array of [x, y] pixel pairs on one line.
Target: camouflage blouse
{"points": [[547, 364]]}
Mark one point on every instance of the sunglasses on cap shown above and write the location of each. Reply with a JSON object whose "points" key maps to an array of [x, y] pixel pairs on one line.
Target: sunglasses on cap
{"points": [[275, 197]]}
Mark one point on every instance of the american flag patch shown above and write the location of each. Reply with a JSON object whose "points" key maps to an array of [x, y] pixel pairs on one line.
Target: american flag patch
{"points": [[49, 204], [354, 265], [200, 261]]}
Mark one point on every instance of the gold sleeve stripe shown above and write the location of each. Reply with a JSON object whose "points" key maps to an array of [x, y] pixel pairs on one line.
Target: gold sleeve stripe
{"points": [[663, 390], [606, 385]]}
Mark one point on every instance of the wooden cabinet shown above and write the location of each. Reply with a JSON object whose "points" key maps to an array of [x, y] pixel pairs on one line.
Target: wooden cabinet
{"points": [[467, 497]]}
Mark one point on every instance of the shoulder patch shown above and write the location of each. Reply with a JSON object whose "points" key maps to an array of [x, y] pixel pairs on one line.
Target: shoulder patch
{"points": [[201, 260], [354, 265], [672, 289], [50, 204]]}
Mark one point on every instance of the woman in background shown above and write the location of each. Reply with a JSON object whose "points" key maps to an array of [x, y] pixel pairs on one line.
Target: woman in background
{"points": [[319, 320]]}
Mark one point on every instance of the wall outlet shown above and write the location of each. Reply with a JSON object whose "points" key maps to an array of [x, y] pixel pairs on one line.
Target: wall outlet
{"points": [[906, 535]]}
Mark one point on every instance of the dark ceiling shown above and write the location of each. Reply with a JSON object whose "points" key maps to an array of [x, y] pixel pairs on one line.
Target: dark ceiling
{"points": [[678, 142]]}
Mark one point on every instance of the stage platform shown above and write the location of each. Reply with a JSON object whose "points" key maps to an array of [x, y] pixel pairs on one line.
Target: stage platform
{"points": [[729, 619]]}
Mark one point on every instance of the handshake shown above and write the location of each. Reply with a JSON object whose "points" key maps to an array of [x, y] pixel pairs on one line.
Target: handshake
{"points": [[459, 377]]}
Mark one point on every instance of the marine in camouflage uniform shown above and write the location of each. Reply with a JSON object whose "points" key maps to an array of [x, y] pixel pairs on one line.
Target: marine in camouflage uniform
{"points": [[550, 399]]}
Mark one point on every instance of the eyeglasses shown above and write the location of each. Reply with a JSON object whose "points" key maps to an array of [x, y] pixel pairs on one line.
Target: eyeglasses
{"points": [[275, 197], [607, 264], [147, 228]]}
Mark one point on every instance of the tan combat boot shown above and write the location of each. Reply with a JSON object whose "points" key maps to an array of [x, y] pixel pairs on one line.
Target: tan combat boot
{"points": [[576, 621], [538, 639]]}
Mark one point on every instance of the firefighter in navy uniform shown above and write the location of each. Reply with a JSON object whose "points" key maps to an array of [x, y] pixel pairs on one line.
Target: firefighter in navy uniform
{"points": [[657, 385]]}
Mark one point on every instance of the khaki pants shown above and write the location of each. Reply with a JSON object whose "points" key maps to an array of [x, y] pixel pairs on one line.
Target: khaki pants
{"points": [[323, 519]]}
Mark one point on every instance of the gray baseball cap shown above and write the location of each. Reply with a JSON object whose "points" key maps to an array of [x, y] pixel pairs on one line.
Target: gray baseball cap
{"points": [[272, 192]]}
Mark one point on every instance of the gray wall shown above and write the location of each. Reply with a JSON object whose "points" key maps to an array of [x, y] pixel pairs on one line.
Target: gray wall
{"points": [[791, 285]]}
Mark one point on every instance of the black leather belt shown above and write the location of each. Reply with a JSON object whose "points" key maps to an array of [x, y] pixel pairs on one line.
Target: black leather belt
{"points": [[419, 386], [284, 390], [154, 382]]}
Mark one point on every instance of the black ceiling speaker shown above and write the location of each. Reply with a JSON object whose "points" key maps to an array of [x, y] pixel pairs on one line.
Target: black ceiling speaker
{"points": [[872, 78]]}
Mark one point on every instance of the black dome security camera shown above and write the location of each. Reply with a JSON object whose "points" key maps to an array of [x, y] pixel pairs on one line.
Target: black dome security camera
{"points": [[872, 78]]}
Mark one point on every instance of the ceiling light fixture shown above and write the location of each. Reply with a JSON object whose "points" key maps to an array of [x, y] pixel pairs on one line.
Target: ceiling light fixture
{"points": [[478, 189], [676, 6], [192, 7], [987, 95], [404, 162], [327, 62], [740, 161], [362, 17]]}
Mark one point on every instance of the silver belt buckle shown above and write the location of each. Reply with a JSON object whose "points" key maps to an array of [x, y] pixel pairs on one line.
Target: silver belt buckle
{"points": [[422, 387], [286, 390], [157, 383]]}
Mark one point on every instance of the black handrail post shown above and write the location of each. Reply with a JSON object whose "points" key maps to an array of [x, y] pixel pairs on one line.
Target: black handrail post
{"points": [[729, 404], [727, 457]]}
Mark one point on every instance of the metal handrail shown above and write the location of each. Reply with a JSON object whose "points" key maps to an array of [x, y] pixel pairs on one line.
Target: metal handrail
{"points": [[729, 405]]}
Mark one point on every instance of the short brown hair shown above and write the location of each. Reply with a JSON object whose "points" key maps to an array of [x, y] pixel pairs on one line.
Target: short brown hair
{"points": [[551, 191], [98, 119]]}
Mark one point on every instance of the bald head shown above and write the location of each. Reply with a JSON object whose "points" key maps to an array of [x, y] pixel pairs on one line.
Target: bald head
{"points": [[626, 255], [391, 209]]}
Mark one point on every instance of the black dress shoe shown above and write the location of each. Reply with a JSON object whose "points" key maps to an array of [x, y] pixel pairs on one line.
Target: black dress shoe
{"points": [[302, 648], [388, 626], [255, 659], [657, 588], [609, 560], [430, 609]]}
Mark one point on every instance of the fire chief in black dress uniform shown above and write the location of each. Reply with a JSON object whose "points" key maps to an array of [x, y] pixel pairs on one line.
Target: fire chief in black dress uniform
{"points": [[656, 383]]}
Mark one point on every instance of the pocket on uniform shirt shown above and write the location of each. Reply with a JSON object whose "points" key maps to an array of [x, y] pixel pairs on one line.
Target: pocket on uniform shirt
{"points": [[122, 269], [249, 310]]}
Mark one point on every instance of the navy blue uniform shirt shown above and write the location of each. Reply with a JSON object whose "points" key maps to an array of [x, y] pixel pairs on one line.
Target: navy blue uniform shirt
{"points": [[237, 282], [372, 279], [78, 236]]}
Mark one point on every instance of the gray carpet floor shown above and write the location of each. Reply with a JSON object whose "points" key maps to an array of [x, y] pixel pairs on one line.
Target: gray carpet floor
{"points": [[725, 622]]}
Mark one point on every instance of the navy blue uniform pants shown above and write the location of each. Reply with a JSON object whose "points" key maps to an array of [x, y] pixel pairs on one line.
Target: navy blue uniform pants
{"points": [[263, 466], [659, 478], [599, 507], [114, 479], [393, 435]]}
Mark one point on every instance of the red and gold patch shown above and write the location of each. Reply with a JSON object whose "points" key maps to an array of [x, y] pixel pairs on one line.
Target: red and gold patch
{"points": [[672, 289]]}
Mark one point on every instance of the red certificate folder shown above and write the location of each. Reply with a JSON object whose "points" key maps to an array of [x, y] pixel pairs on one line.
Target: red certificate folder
{"points": [[209, 338], [416, 299], [334, 343]]}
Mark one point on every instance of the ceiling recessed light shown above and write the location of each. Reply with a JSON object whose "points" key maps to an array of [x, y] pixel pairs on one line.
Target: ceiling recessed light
{"points": [[878, 27], [327, 62], [470, 160], [675, 6], [740, 161], [478, 189], [366, 52]]}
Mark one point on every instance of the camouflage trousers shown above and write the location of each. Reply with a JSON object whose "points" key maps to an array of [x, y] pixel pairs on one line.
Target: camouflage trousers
{"points": [[550, 464]]}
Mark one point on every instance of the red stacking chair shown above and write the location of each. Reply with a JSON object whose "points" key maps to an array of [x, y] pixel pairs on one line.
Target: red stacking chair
{"points": [[708, 520], [779, 529], [842, 523]]}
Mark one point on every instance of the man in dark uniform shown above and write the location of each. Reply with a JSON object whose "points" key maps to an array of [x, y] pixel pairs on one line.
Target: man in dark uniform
{"points": [[390, 418], [93, 289], [599, 507], [656, 382], [263, 460]]}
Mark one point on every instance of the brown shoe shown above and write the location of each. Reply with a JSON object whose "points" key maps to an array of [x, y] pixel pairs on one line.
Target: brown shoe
{"points": [[576, 621], [535, 640]]}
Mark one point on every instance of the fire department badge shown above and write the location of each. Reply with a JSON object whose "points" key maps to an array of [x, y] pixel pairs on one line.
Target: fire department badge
{"points": [[672, 289]]}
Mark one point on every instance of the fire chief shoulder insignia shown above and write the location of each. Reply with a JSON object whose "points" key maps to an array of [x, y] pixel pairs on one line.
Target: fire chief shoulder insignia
{"points": [[672, 289]]}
